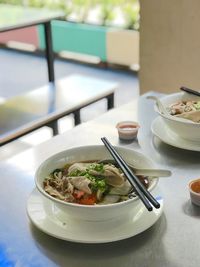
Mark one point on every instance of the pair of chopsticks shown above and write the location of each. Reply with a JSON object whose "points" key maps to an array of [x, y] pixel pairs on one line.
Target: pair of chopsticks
{"points": [[140, 189], [190, 91]]}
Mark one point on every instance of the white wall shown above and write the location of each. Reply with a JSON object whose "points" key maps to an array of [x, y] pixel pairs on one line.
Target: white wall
{"points": [[169, 45]]}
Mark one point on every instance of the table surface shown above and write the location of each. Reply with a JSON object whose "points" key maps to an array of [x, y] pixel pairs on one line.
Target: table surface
{"points": [[172, 241], [15, 17]]}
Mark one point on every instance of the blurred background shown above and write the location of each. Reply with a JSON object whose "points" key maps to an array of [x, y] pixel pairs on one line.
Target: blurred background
{"points": [[95, 38], [110, 31], [142, 45]]}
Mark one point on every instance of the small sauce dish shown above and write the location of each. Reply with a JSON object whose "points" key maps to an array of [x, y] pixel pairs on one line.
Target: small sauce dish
{"points": [[194, 187], [127, 130]]}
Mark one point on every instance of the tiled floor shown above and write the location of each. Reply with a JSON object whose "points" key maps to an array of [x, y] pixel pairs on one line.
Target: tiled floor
{"points": [[21, 72]]}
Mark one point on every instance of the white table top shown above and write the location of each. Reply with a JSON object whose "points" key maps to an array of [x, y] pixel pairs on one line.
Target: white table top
{"points": [[172, 242]]}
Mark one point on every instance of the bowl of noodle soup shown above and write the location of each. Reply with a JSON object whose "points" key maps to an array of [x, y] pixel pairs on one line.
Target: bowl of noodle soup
{"points": [[80, 186], [183, 120]]}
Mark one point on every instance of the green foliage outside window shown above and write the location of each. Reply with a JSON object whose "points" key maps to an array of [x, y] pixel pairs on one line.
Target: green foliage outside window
{"points": [[129, 9]]}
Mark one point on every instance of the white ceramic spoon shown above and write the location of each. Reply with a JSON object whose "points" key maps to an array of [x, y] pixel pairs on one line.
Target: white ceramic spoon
{"points": [[159, 105], [140, 171]]}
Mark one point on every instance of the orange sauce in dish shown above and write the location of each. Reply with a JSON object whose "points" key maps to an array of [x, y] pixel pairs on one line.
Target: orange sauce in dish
{"points": [[128, 127], [195, 186]]}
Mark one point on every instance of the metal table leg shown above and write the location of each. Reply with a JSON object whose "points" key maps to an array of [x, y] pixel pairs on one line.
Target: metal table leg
{"points": [[49, 51], [77, 117], [54, 126], [110, 101]]}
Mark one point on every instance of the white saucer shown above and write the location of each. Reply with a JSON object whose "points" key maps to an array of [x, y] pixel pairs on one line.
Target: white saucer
{"points": [[159, 129], [43, 215]]}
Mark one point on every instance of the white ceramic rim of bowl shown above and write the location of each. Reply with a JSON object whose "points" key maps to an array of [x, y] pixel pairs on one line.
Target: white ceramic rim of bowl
{"points": [[173, 118], [41, 190], [176, 119]]}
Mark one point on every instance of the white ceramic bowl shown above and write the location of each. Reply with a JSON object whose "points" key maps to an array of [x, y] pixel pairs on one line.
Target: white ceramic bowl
{"points": [[185, 129], [97, 212]]}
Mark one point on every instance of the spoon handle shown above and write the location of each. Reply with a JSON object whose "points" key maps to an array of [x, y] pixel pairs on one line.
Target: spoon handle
{"points": [[159, 105], [152, 172], [190, 91]]}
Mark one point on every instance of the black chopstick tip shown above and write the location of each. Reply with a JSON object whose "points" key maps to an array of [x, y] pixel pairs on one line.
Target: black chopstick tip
{"points": [[157, 206], [149, 208], [190, 91]]}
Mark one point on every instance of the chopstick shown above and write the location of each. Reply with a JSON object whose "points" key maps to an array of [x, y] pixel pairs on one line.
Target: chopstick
{"points": [[140, 189], [190, 91]]}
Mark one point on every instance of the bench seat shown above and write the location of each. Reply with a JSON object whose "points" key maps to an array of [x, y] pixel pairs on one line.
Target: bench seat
{"points": [[44, 106]]}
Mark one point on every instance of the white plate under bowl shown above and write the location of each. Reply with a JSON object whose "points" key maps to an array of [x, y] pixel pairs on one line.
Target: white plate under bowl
{"points": [[46, 217], [160, 129]]}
